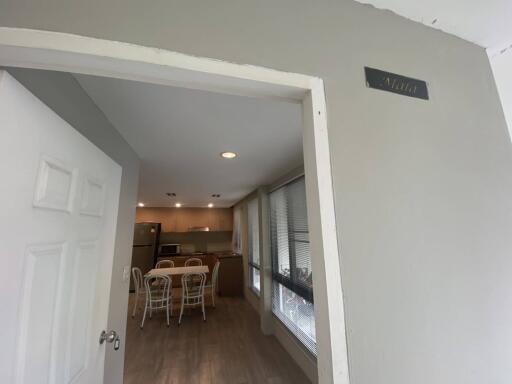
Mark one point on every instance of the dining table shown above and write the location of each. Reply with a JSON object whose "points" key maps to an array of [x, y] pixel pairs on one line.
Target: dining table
{"points": [[178, 270]]}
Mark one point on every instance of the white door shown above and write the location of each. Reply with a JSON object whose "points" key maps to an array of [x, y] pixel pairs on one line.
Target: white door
{"points": [[59, 198]]}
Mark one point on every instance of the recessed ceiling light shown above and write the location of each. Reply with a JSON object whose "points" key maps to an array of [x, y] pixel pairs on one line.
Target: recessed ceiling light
{"points": [[178, 205], [228, 155], [140, 204], [210, 205]]}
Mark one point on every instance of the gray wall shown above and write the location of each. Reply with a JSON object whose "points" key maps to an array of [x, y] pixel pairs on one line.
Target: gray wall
{"points": [[63, 94], [423, 188]]}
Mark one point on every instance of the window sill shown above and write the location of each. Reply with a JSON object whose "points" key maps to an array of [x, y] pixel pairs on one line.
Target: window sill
{"points": [[302, 356], [310, 355]]}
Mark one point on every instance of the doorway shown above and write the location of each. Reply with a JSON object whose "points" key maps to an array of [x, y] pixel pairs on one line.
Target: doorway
{"points": [[188, 194], [36, 49]]}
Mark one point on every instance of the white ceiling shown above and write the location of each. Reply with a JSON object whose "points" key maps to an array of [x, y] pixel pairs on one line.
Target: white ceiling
{"points": [[179, 134], [484, 22]]}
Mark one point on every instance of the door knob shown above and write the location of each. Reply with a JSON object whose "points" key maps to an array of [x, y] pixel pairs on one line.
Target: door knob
{"points": [[110, 337]]}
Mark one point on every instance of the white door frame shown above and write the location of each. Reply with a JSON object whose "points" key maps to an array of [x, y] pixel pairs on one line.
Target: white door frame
{"points": [[78, 54]]}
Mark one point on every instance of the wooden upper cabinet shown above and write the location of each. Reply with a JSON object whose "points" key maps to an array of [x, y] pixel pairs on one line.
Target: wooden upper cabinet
{"points": [[182, 219], [212, 220], [225, 220], [220, 219]]}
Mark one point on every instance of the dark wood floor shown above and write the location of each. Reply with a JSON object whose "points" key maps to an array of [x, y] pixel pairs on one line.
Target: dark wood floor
{"points": [[228, 348]]}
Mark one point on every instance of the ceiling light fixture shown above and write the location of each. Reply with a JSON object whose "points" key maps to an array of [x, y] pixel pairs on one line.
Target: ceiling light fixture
{"points": [[228, 155], [140, 204], [210, 205], [178, 205]]}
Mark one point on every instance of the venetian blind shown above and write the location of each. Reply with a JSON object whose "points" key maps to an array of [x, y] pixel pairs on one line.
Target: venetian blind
{"points": [[292, 286], [291, 257]]}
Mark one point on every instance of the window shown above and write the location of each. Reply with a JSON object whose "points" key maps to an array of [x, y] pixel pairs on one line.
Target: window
{"points": [[292, 278], [237, 231], [254, 244]]}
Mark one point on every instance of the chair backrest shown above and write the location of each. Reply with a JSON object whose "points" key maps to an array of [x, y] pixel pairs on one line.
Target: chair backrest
{"points": [[193, 285], [157, 286], [137, 279], [215, 273], [193, 261], [165, 264]]}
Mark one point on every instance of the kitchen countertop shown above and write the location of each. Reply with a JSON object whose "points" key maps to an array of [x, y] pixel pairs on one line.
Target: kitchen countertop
{"points": [[228, 256]]}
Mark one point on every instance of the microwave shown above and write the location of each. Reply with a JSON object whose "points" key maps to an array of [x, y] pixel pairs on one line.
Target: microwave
{"points": [[169, 250]]}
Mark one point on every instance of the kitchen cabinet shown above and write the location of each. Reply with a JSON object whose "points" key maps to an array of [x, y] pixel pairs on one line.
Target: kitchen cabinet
{"points": [[182, 219], [189, 218], [220, 220], [231, 276]]}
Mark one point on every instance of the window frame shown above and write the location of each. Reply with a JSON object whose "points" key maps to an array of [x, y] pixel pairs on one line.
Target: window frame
{"points": [[237, 238], [250, 248]]}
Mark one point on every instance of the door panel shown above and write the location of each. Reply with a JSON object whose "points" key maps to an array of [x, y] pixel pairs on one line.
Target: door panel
{"points": [[57, 239], [42, 277], [93, 197], [56, 185], [82, 294]]}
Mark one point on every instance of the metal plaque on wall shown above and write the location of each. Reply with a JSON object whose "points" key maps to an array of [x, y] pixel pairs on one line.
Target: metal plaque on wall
{"points": [[391, 82]]}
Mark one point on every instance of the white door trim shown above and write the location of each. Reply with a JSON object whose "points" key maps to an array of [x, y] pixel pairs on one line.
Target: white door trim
{"points": [[78, 54]]}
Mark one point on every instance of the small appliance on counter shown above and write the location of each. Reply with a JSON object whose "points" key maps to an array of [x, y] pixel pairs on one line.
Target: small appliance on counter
{"points": [[166, 250]]}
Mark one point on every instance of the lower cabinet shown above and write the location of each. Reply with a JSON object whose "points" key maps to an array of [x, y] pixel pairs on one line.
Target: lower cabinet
{"points": [[231, 276]]}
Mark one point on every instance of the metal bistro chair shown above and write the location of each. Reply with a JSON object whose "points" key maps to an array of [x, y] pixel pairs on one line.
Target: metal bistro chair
{"points": [[193, 292], [139, 287], [158, 295], [193, 261], [165, 264], [213, 282]]}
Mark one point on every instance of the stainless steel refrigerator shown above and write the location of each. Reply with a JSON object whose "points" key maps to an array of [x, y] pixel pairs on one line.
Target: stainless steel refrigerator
{"points": [[145, 247]]}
